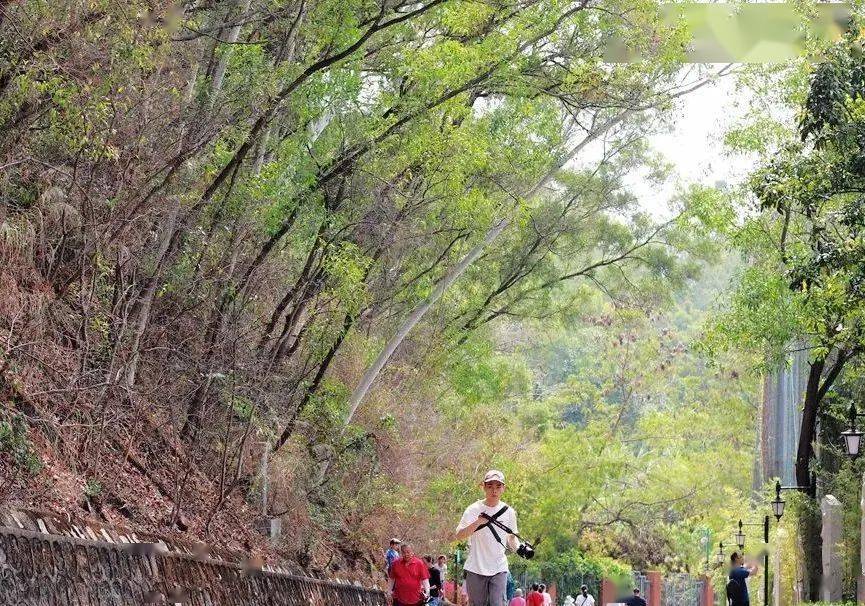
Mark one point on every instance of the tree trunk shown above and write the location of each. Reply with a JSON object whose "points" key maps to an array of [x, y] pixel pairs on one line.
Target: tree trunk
{"points": [[142, 314], [809, 525], [348, 321], [808, 427], [419, 312], [233, 34]]}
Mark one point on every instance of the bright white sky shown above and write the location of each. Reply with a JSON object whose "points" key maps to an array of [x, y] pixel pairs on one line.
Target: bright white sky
{"points": [[695, 146]]}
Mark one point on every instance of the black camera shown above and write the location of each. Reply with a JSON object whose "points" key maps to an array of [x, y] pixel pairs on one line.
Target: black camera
{"points": [[526, 551]]}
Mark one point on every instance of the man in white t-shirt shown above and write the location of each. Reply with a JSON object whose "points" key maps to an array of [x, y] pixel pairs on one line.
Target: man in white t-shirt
{"points": [[585, 598], [486, 567]]}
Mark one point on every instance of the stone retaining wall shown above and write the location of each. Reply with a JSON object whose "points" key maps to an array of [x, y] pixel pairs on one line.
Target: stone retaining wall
{"points": [[41, 569]]}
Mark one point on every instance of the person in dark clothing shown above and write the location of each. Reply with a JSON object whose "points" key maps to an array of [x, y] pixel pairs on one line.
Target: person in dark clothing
{"points": [[737, 587], [435, 581], [636, 599]]}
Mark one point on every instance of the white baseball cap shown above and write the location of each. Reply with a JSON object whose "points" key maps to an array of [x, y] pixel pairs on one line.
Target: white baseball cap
{"points": [[494, 475]]}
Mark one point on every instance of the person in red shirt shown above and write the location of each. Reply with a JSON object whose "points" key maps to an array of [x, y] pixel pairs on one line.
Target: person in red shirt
{"points": [[408, 579], [535, 597]]}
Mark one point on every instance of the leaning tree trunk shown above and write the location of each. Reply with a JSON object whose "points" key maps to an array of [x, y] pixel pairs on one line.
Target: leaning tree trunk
{"points": [[457, 270], [809, 522]]}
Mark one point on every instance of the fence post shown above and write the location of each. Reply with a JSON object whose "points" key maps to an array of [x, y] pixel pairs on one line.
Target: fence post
{"points": [[708, 597], [608, 592], [656, 586]]}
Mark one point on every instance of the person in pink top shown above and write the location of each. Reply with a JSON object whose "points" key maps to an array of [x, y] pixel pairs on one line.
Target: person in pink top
{"points": [[518, 599]]}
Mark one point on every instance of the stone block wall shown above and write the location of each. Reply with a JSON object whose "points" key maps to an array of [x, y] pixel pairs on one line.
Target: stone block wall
{"points": [[41, 569]]}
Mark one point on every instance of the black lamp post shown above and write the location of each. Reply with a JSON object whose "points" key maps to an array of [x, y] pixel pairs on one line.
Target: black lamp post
{"points": [[852, 437], [719, 557]]}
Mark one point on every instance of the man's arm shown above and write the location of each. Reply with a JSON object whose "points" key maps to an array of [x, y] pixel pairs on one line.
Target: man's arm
{"points": [[513, 542], [465, 532], [425, 586]]}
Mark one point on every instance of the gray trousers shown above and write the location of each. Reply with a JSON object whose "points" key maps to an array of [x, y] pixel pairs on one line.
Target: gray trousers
{"points": [[487, 591]]}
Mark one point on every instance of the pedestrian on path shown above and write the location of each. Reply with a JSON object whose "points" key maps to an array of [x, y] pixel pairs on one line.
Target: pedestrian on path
{"points": [[737, 587], [535, 598], [585, 598], [486, 567], [435, 581], [636, 599], [443, 566], [518, 599], [548, 599], [391, 554], [408, 580]]}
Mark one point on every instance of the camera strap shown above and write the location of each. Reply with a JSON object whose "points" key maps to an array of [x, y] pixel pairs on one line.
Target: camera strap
{"points": [[493, 519]]}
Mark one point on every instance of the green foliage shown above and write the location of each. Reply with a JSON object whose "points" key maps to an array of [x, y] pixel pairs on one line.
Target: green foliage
{"points": [[275, 226], [243, 407], [14, 441], [328, 407], [575, 563], [801, 287], [620, 441], [92, 488]]}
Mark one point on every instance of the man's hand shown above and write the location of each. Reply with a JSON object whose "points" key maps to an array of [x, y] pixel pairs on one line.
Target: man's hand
{"points": [[468, 530]]}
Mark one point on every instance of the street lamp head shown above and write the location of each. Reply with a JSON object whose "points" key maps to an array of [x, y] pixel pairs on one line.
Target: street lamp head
{"points": [[778, 508], [720, 555], [740, 537], [852, 442], [778, 503], [852, 438]]}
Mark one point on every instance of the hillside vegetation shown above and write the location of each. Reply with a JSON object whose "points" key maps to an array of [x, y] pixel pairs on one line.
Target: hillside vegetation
{"points": [[215, 215]]}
